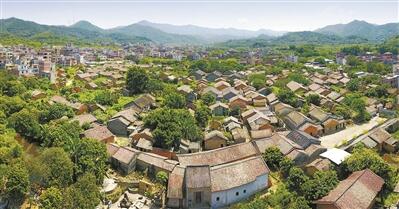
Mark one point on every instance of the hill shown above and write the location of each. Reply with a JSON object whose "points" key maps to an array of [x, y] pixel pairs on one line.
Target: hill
{"points": [[304, 37], [155, 34], [28, 30], [84, 32], [260, 41], [83, 24], [210, 34], [309, 37], [362, 29]]}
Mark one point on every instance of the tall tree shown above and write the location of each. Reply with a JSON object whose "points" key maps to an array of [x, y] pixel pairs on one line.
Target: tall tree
{"points": [[208, 98], [273, 157], [58, 167], [90, 157], [83, 194], [56, 111], [14, 181], [295, 179], [26, 123], [136, 80], [320, 185], [363, 158], [172, 125], [61, 134], [52, 198], [175, 100], [202, 115]]}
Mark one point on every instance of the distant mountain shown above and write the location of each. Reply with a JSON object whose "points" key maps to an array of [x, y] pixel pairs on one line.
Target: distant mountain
{"points": [[58, 34], [155, 34], [362, 29], [309, 37], [84, 32], [210, 34], [304, 37], [83, 24], [260, 41]]}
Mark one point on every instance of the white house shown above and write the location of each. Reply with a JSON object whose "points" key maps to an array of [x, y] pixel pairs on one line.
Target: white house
{"points": [[238, 180], [217, 178]]}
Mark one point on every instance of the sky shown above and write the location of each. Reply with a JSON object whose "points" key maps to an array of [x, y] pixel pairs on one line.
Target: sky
{"points": [[282, 15]]}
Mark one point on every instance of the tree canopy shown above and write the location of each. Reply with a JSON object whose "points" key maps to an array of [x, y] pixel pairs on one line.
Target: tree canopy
{"points": [[136, 80], [172, 125], [90, 157]]}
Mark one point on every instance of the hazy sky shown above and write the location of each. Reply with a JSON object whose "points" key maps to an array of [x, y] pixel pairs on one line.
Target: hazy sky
{"points": [[291, 15]]}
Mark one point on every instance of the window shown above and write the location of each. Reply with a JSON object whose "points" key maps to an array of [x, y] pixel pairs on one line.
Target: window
{"points": [[217, 198], [221, 145], [237, 193], [245, 191]]}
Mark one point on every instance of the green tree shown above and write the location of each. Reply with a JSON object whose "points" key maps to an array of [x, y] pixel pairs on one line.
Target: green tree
{"points": [[52, 198], [83, 194], [273, 157], [14, 181], [313, 99], [353, 85], [352, 50], [106, 97], [353, 61], [202, 116], [155, 86], [320, 60], [162, 177], [299, 203], [26, 123], [90, 157], [298, 77], [363, 158], [343, 111], [10, 105], [10, 149], [282, 198], [200, 65], [320, 185], [379, 91], [175, 100], [257, 80], [358, 106], [295, 179], [378, 68], [172, 125], [288, 97], [61, 134], [56, 111], [285, 166], [208, 99], [136, 80], [15, 88], [58, 167]]}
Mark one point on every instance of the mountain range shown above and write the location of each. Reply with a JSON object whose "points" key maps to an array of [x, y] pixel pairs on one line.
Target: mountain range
{"points": [[362, 29], [211, 34], [145, 31]]}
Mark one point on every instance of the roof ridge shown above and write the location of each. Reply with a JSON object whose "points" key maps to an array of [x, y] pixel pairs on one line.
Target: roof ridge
{"points": [[216, 167], [218, 149]]}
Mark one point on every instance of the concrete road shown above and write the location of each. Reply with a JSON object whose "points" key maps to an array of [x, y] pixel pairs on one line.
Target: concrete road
{"points": [[332, 140]]}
